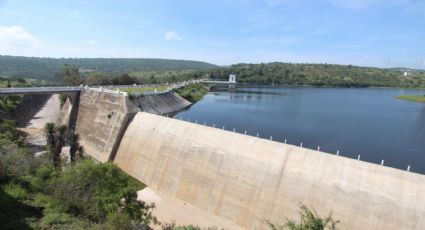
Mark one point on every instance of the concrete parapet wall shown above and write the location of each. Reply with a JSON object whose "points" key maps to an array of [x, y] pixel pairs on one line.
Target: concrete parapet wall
{"points": [[246, 179], [101, 119], [161, 103]]}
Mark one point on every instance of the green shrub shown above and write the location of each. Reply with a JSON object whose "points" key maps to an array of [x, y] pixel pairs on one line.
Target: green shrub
{"points": [[193, 92], [309, 220], [62, 99], [91, 190], [16, 191]]}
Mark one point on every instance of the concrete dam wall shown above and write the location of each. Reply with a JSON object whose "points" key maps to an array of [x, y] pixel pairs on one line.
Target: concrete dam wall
{"points": [[103, 117], [246, 179], [161, 103]]}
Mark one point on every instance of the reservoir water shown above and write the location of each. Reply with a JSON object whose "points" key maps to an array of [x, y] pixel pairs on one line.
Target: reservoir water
{"points": [[368, 122]]}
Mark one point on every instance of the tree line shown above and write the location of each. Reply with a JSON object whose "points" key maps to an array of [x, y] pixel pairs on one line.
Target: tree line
{"points": [[46, 68], [320, 75]]}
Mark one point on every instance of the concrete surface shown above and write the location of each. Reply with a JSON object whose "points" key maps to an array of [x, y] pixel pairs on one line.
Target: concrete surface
{"points": [[161, 103], [48, 113], [101, 120], [169, 209], [246, 179]]}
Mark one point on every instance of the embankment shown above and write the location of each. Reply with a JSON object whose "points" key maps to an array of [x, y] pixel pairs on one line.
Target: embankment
{"points": [[161, 103], [246, 179]]}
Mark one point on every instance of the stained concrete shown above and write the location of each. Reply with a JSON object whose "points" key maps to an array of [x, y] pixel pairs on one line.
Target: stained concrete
{"points": [[246, 179], [102, 118], [161, 103]]}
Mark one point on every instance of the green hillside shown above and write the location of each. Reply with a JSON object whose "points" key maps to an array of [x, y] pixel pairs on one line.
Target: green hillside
{"points": [[321, 75], [46, 68]]}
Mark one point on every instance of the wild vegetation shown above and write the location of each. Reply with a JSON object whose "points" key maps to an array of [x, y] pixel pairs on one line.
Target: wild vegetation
{"points": [[321, 75], [46, 68], [193, 92], [144, 89], [414, 98], [110, 71]]}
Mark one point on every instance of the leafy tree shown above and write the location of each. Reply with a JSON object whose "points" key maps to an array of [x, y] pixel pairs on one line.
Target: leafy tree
{"points": [[71, 75], [55, 138], [74, 144]]}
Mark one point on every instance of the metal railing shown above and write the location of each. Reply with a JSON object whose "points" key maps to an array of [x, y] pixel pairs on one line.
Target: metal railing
{"points": [[284, 141]]}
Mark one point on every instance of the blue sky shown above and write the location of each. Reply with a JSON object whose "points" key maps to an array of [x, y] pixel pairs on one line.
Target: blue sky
{"points": [[383, 33]]}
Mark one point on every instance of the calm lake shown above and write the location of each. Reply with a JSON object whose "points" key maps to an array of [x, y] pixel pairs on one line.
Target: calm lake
{"points": [[368, 122]]}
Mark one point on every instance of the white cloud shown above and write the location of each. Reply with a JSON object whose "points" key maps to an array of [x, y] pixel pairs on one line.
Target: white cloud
{"points": [[423, 63], [15, 40], [88, 42], [172, 35]]}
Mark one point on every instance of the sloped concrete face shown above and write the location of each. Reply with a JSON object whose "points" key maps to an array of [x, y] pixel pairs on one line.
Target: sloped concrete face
{"points": [[161, 103], [101, 118], [246, 179]]}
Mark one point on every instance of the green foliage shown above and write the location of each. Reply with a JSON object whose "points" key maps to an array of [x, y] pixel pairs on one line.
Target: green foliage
{"points": [[309, 220], [8, 104], [144, 89], [70, 75], [193, 92], [47, 68], [414, 98], [62, 99], [92, 190], [168, 76], [320, 75], [55, 137], [9, 132], [74, 144]]}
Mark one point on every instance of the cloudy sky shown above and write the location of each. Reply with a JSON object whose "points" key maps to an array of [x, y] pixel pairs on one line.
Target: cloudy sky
{"points": [[383, 33]]}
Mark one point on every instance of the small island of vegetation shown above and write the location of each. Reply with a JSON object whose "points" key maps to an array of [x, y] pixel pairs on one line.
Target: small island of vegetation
{"points": [[193, 92], [414, 98]]}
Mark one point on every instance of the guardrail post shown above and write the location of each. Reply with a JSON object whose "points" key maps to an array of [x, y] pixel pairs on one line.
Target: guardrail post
{"points": [[318, 148], [223, 127], [258, 135], [245, 132], [408, 168], [337, 152], [301, 145], [358, 157], [285, 140], [382, 162], [234, 130], [271, 138]]}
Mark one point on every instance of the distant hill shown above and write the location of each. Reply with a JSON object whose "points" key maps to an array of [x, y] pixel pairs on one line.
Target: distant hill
{"points": [[45, 68], [321, 75]]}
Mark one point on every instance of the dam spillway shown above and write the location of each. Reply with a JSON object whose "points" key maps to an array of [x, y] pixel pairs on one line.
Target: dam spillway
{"points": [[241, 178], [247, 179]]}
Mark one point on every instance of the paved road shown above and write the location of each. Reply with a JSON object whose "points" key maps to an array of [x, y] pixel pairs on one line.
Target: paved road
{"points": [[38, 90], [111, 89]]}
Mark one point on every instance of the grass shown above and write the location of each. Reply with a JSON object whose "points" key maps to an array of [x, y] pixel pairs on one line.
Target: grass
{"points": [[414, 98], [143, 90], [193, 92]]}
